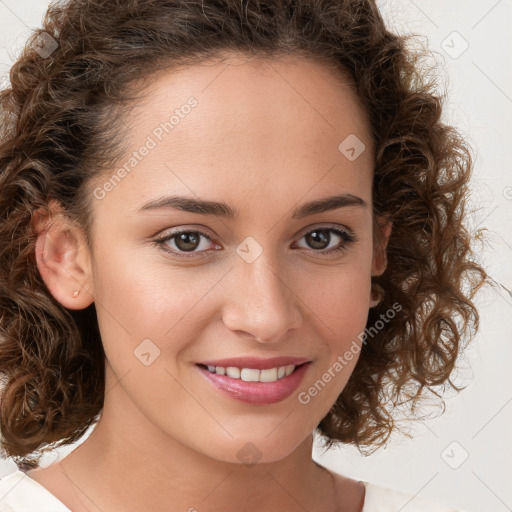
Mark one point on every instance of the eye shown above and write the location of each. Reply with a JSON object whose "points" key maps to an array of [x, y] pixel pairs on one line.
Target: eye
{"points": [[184, 241], [321, 238], [189, 241]]}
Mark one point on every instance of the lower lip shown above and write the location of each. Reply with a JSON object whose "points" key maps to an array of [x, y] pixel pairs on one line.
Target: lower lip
{"points": [[258, 393]]}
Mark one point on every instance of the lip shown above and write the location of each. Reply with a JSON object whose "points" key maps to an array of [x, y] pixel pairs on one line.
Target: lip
{"points": [[256, 363], [257, 393]]}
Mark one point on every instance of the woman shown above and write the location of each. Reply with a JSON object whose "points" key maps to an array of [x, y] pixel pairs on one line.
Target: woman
{"points": [[224, 226]]}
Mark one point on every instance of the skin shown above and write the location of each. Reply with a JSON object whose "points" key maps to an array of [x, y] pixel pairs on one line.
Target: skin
{"points": [[264, 139]]}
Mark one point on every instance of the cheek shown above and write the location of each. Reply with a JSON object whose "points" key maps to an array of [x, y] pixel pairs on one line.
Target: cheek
{"points": [[338, 300], [139, 296], [341, 302]]}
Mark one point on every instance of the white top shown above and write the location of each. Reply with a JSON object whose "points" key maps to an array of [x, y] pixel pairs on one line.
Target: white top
{"points": [[20, 493]]}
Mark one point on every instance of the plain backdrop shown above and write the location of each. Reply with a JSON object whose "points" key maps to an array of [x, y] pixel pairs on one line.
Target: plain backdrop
{"points": [[464, 457]]}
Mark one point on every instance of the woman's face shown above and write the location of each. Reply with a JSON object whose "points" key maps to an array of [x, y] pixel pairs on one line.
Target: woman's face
{"points": [[265, 139]]}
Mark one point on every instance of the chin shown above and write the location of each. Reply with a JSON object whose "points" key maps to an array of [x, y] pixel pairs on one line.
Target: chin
{"points": [[254, 449]]}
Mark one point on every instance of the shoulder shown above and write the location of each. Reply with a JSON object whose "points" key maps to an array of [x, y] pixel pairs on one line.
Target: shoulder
{"points": [[384, 499], [20, 493]]}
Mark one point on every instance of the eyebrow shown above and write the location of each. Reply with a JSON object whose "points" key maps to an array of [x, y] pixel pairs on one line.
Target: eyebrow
{"points": [[220, 209]]}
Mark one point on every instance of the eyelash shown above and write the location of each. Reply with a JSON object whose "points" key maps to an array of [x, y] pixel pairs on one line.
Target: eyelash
{"points": [[344, 235]]}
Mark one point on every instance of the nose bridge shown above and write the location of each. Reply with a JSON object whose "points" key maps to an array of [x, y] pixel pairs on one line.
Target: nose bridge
{"points": [[262, 303]]}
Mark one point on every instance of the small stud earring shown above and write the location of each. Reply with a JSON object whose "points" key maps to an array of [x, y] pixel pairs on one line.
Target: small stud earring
{"points": [[75, 293]]}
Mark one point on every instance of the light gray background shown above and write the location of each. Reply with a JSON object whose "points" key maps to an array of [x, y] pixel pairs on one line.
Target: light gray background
{"points": [[477, 422]]}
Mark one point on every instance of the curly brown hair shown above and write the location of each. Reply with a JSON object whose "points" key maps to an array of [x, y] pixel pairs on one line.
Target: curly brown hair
{"points": [[63, 128]]}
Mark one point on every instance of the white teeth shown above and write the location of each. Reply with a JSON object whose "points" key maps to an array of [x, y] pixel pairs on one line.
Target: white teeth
{"points": [[268, 375], [233, 371], [253, 375], [250, 375]]}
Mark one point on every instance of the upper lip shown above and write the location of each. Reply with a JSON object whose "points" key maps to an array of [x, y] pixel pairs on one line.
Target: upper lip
{"points": [[257, 363]]}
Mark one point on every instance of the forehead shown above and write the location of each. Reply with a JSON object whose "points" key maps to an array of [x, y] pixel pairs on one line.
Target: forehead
{"points": [[277, 94], [271, 126]]}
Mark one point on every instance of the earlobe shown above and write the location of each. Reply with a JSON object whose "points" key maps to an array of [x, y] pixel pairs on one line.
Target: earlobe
{"points": [[63, 260]]}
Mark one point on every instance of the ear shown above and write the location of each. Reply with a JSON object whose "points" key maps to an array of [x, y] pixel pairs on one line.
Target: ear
{"points": [[63, 257], [380, 260]]}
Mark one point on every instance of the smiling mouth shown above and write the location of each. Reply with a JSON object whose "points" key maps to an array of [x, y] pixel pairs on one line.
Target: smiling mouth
{"points": [[253, 374]]}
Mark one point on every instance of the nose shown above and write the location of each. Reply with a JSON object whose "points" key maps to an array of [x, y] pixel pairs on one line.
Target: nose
{"points": [[261, 302]]}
